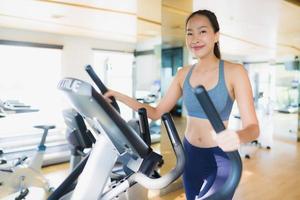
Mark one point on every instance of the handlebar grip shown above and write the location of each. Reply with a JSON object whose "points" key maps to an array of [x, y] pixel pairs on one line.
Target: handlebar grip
{"points": [[144, 125], [100, 85], [209, 109], [236, 164], [171, 129], [168, 178]]}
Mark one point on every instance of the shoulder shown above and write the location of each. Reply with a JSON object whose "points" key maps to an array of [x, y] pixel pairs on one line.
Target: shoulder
{"points": [[231, 66], [234, 69], [182, 72], [236, 74]]}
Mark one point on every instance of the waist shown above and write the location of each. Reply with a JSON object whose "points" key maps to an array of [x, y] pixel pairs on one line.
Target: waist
{"points": [[198, 132], [203, 157], [195, 114]]}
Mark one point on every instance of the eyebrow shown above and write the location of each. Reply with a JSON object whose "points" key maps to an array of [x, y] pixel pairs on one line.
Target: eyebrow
{"points": [[200, 27]]}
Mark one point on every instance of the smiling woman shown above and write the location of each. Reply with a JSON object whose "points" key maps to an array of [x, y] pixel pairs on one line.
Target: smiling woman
{"points": [[225, 82]]}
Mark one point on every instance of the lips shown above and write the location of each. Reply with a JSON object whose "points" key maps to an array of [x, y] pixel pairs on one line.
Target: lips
{"points": [[198, 47]]}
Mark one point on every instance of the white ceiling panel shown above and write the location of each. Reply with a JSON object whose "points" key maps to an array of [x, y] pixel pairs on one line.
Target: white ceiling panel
{"points": [[129, 6], [67, 19], [249, 28]]}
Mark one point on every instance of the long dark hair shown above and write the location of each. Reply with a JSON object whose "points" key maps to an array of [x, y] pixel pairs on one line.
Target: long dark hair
{"points": [[214, 22]]}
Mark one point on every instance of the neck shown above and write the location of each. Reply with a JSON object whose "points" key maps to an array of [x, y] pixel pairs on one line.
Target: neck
{"points": [[209, 62]]}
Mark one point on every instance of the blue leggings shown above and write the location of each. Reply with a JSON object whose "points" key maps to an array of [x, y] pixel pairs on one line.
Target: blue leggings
{"points": [[200, 177]]}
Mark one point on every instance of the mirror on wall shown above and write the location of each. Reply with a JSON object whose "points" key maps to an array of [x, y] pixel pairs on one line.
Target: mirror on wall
{"points": [[174, 53], [147, 59]]}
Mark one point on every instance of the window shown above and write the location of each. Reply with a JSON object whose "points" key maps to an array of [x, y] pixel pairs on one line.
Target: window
{"points": [[30, 75]]}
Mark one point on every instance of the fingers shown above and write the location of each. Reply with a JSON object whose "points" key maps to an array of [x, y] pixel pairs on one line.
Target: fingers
{"points": [[214, 134], [107, 96], [227, 140], [107, 99]]}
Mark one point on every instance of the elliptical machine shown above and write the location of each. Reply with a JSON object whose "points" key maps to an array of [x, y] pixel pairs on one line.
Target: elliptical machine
{"points": [[81, 139], [117, 141]]}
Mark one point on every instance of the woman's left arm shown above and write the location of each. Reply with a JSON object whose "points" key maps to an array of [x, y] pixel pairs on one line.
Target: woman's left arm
{"points": [[229, 140], [243, 95]]}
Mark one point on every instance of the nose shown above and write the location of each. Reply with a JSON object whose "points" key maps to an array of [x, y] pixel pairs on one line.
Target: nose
{"points": [[195, 41]]}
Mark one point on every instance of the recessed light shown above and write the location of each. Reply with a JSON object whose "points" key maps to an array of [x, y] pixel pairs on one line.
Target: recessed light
{"points": [[57, 16]]}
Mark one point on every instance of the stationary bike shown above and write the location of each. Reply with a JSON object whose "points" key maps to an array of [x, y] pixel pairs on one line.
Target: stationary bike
{"points": [[16, 178]]}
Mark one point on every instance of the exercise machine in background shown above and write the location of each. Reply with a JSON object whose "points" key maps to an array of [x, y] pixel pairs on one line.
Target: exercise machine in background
{"points": [[17, 177], [264, 112]]}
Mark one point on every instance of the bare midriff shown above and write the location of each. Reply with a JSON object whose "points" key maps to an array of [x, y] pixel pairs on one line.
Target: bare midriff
{"points": [[198, 132]]}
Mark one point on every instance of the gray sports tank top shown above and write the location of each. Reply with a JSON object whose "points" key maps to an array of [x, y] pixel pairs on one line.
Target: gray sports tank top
{"points": [[219, 96]]}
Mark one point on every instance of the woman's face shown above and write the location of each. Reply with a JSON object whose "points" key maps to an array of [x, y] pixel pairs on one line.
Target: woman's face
{"points": [[200, 36]]}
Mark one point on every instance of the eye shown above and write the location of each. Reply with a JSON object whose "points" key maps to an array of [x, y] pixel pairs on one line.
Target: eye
{"points": [[189, 33], [203, 32]]}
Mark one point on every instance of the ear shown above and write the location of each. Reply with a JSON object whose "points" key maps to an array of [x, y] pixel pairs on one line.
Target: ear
{"points": [[217, 36]]}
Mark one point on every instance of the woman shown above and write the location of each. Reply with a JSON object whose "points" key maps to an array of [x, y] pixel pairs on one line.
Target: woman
{"points": [[225, 82]]}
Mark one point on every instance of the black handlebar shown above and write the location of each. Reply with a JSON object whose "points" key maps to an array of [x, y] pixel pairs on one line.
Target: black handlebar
{"points": [[170, 127], [144, 125], [236, 164], [69, 183], [172, 175], [100, 85], [209, 109]]}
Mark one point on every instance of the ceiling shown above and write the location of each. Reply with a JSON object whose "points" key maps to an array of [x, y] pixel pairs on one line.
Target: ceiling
{"points": [[250, 29], [115, 20]]}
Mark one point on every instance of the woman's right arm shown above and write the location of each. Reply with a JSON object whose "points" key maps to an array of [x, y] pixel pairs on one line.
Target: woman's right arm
{"points": [[165, 105]]}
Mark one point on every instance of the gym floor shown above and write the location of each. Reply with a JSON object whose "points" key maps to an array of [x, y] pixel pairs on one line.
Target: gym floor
{"points": [[268, 174]]}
